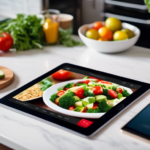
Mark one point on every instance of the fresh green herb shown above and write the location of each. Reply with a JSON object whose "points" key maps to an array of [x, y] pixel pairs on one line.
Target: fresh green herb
{"points": [[66, 39], [147, 2], [93, 110], [46, 83], [69, 85], [125, 93], [86, 77], [61, 88], [26, 31], [88, 92], [103, 106], [120, 95], [53, 97], [79, 84], [66, 100]]}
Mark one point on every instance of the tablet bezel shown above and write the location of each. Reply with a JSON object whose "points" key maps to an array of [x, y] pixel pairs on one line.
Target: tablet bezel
{"points": [[96, 125]]}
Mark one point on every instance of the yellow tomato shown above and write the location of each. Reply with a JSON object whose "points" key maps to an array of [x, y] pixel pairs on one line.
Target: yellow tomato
{"points": [[113, 24], [120, 35], [129, 33], [92, 34]]}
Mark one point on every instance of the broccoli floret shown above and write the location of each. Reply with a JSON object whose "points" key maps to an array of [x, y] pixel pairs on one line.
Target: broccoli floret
{"points": [[93, 110], [103, 106], [88, 92], [69, 85], [53, 97], [66, 100], [70, 92], [125, 93]]}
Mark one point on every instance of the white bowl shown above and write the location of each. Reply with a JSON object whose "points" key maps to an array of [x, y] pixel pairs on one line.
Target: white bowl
{"points": [[109, 46], [53, 89]]}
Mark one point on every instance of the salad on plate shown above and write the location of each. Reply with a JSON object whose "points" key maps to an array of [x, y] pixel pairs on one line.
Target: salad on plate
{"points": [[90, 96]]}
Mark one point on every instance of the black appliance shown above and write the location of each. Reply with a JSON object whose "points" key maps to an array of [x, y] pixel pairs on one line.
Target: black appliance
{"points": [[72, 7], [134, 12]]}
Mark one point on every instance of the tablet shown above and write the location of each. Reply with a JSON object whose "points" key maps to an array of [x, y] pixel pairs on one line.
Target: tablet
{"points": [[76, 98]]}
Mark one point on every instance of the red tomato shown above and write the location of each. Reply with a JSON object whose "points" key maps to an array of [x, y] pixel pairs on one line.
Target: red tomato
{"points": [[60, 93], [6, 41], [84, 110], [97, 90], [95, 78], [97, 25], [62, 75], [95, 106], [66, 89], [86, 81], [79, 92], [57, 101], [106, 82], [71, 108], [119, 90], [112, 93]]}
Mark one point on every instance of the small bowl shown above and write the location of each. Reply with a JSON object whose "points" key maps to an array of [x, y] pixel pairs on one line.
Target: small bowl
{"points": [[109, 46]]}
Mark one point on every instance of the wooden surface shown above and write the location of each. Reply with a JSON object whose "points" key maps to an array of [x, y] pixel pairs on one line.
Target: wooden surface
{"points": [[2, 147], [8, 78]]}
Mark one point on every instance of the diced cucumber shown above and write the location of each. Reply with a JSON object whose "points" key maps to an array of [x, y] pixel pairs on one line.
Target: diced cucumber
{"points": [[76, 98], [91, 99], [90, 105], [77, 104], [100, 98], [79, 109], [114, 102], [85, 103], [1, 74]]}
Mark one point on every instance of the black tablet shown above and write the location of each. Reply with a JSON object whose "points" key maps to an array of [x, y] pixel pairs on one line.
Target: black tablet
{"points": [[80, 99]]}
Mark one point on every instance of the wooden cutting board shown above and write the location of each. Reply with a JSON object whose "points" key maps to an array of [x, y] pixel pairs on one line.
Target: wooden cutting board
{"points": [[8, 78]]}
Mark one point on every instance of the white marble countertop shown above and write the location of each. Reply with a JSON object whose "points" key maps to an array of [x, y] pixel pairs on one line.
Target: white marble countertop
{"points": [[22, 132]]}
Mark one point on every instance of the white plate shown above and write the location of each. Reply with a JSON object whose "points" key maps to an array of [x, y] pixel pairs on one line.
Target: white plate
{"points": [[53, 89]]}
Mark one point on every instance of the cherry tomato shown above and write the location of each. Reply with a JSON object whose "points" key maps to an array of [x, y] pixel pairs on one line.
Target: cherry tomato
{"points": [[92, 34], [79, 92], [71, 108], [105, 33], [6, 41], [65, 89], [95, 106], [61, 75], [97, 90], [86, 81], [106, 82], [57, 101], [102, 39], [97, 25], [84, 110], [112, 93], [60, 93], [119, 90], [95, 78]]}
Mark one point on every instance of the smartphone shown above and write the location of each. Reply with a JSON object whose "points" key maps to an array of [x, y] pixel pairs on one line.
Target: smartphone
{"points": [[139, 126]]}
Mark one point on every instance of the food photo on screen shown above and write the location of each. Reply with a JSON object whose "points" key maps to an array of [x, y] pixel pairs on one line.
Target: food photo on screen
{"points": [[75, 95]]}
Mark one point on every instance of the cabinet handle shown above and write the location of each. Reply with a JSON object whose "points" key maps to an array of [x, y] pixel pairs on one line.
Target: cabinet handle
{"points": [[124, 18], [124, 4]]}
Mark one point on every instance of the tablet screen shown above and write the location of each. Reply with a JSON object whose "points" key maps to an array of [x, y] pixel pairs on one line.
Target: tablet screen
{"points": [[75, 96]]}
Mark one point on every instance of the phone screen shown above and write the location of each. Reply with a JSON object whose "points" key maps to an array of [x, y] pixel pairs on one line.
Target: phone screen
{"points": [[140, 124]]}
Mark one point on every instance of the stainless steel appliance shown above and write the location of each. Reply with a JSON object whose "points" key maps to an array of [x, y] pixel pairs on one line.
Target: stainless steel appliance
{"points": [[131, 11]]}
